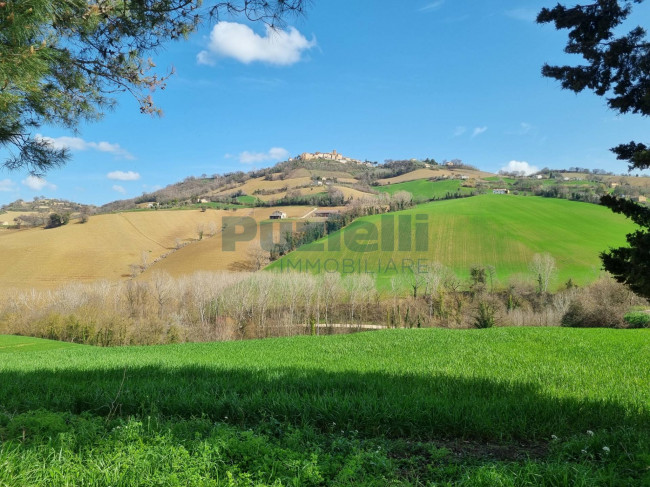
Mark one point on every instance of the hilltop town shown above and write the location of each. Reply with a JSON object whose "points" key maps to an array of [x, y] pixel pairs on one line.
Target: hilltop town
{"points": [[329, 156]]}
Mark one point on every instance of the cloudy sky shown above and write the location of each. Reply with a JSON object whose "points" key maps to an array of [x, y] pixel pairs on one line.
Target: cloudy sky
{"points": [[374, 80]]}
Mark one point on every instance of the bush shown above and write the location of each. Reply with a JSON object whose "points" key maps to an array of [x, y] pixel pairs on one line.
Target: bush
{"points": [[637, 319], [486, 316], [602, 304], [57, 220]]}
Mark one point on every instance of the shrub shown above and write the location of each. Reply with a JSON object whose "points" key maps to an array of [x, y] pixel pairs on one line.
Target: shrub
{"points": [[486, 315], [637, 319], [602, 304], [57, 220]]}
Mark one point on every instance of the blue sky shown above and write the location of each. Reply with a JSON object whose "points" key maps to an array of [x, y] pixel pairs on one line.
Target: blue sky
{"points": [[374, 80]]}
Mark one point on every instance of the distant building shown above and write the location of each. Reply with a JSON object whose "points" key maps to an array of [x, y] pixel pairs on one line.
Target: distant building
{"points": [[329, 156], [500, 191], [642, 199], [278, 215], [613, 185]]}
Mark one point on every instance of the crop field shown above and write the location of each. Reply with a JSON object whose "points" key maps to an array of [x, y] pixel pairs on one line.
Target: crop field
{"points": [[107, 245], [505, 406], [425, 189], [434, 173], [209, 254], [503, 231]]}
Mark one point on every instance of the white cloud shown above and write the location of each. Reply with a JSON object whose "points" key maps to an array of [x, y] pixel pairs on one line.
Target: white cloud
{"points": [[432, 6], [240, 42], [274, 154], [119, 189], [36, 184], [479, 131], [123, 176], [521, 167], [458, 131], [7, 185], [79, 144]]}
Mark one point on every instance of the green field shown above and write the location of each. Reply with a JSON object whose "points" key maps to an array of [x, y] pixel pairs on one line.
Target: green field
{"points": [[247, 199], [505, 406], [423, 189], [503, 231]]}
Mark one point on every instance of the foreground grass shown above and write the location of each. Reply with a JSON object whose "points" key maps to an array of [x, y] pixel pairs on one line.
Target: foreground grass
{"points": [[400, 407]]}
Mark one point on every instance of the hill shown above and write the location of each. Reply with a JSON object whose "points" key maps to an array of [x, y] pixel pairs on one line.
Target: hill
{"points": [[426, 189], [503, 231], [108, 245], [509, 406]]}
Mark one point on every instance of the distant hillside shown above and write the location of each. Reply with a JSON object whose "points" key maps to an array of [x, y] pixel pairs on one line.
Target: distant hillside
{"points": [[503, 231], [293, 182]]}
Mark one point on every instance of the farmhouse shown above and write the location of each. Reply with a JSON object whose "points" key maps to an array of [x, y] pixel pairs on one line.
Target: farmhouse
{"points": [[278, 215], [501, 191]]}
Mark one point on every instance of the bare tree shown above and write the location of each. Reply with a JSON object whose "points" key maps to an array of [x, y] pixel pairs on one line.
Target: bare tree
{"points": [[544, 270]]}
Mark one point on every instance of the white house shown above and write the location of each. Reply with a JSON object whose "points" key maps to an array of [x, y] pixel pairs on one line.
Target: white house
{"points": [[278, 215]]}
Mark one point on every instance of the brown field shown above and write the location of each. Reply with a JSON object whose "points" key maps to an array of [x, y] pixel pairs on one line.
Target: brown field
{"points": [[352, 193], [106, 246], [250, 186], [208, 254], [434, 173]]}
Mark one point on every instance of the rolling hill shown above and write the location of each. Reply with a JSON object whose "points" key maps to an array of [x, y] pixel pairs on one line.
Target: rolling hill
{"points": [[107, 245], [503, 231]]}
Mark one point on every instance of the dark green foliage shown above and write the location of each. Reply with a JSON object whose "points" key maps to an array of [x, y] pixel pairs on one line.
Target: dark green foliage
{"points": [[631, 265], [58, 220], [637, 319], [619, 69], [616, 67], [486, 315]]}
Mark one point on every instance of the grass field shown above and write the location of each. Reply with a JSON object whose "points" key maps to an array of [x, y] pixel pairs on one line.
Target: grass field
{"points": [[503, 231], [505, 406], [424, 189]]}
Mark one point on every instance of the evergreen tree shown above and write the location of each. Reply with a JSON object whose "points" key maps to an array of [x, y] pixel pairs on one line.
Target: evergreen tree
{"points": [[617, 68]]}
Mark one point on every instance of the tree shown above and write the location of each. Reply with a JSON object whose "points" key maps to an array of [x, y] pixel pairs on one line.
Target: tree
{"points": [[630, 265], [61, 62], [58, 220], [617, 68], [544, 270]]}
